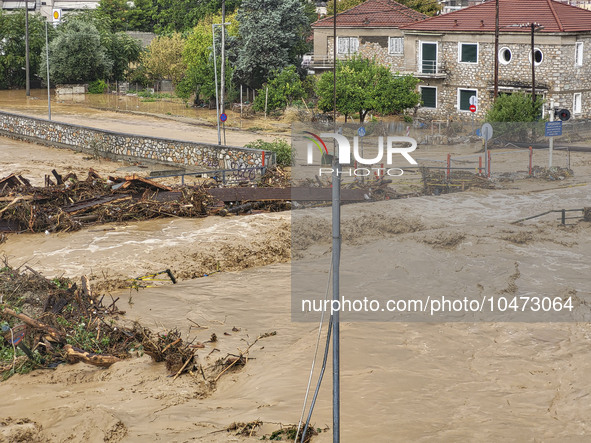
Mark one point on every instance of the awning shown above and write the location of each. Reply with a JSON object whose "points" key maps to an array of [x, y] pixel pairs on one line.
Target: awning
{"points": [[18, 5], [65, 5]]}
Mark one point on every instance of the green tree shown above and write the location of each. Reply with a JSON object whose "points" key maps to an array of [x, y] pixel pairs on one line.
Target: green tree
{"points": [[12, 47], [199, 78], [284, 87], [128, 16], [364, 86], [163, 58], [430, 8], [183, 15], [77, 55], [516, 107], [272, 36], [121, 48]]}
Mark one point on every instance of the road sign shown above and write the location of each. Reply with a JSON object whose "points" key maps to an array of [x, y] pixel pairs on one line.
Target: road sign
{"points": [[361, 132], [57, 15], [223, 117], [472, 108], [554, 129], [487, 131], [473, 100]]}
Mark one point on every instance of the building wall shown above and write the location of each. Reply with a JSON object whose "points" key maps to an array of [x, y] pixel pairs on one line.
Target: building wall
{"points": [[129, 147], [557, 77], [373, 42]]}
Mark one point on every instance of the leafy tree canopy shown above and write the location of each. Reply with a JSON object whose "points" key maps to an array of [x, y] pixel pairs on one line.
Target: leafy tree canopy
{"points": [[77, 55], [272, 35], [183, 15], [198, 56], [515, 108], [365, 86], [430, 8], [138, 15], [12, 47], [163, 58], [285, 87]]}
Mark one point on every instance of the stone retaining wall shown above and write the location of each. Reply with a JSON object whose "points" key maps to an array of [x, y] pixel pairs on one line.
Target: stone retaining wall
{"points": [[130, 147]]}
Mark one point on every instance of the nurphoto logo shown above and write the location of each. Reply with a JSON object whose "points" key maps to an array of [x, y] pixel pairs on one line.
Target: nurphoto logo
{"points": [[394, 145]]}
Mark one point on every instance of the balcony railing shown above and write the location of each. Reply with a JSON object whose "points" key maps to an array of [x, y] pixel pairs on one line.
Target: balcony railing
{"points": [[313, 61], [430, 68]]}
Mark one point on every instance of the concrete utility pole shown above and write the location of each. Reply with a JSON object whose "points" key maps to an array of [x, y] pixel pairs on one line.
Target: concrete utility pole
{"points": [[336, 257], [533, 66], [496, 90], [27, 67], [223, 73]]}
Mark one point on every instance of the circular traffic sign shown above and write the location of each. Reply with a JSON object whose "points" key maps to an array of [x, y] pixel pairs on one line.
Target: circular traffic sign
{"points": [[223, 117], [487, 131], [472, 108], [361, 132]]}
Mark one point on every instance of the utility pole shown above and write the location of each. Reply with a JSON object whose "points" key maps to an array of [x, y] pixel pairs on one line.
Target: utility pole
{"points": [[223, 73], [27, 67], [496, 88], [336, 256], [215, 75], [533, 66], [47, 62]]}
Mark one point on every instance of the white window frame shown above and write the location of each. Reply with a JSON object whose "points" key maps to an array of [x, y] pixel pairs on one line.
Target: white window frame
{"points": [[436, 98], [391, 46], [421, 55], [349, 40], [458, 98], [460, 44], [502, 61], [579, 109], [535, 49], [579, 54]]}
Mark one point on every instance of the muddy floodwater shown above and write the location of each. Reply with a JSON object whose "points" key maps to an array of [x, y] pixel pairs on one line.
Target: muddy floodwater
{"points": [[401, 382]]}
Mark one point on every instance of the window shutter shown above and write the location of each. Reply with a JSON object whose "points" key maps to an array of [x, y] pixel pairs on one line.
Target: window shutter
{"points": [[343, 45], [354, 45]]}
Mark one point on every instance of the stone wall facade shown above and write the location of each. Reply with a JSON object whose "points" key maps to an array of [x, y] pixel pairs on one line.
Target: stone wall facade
{"points": [[558, 78], [131, 147]]}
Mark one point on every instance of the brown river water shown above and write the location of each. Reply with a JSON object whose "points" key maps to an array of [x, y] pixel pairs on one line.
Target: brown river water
{"points": [[401, 382]]}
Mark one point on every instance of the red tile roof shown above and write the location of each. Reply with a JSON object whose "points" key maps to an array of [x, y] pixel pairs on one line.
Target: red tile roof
{"points": [[374, 13], [552, 15]]}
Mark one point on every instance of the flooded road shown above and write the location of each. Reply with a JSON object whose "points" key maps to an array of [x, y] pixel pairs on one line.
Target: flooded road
{"points": [[134, 115]]}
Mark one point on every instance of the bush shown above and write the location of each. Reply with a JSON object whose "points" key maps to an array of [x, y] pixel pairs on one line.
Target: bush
{"points": [[285, 87], [284, 153], [97, 87], [516, 107]]}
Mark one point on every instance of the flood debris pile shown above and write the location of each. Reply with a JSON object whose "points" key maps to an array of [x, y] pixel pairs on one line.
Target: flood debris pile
{"points": [[284, 433], [71, 203], [553, 173], [56, 321], [436, 182], [46, 322]]}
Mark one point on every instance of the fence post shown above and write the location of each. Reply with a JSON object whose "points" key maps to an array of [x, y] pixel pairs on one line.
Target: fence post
{"points": [[480, 165], [448, 172], [564, 216], [263, 159], [531, 155]]}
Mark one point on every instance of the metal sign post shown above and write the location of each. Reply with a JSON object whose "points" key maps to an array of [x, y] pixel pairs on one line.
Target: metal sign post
{"points": [[47, 62], [487, 132]]}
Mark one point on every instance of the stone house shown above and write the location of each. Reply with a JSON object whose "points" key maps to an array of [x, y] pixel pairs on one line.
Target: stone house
{"points": [[371, 29], [453, 54]]}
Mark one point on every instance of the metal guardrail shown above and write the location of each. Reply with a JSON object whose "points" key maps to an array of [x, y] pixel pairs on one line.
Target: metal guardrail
{"points": [[223, 175]]}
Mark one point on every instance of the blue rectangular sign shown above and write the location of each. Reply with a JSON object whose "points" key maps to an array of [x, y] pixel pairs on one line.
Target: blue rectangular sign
{"points": [[554, 129]]}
